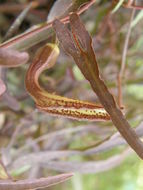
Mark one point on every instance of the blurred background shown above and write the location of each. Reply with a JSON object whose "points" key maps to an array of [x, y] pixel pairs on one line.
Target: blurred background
{"points": [[34, 144]]}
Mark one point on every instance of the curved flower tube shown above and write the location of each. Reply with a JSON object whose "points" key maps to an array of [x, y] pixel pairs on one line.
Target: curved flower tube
{"points": [[53, 104]]}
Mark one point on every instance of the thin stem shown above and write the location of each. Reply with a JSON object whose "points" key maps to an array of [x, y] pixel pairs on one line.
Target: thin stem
{"points": [[123, 62]]}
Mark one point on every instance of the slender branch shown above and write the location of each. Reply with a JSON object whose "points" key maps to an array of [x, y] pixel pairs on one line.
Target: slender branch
{"points": [[123, 62], [130, 5], [17, 22]]}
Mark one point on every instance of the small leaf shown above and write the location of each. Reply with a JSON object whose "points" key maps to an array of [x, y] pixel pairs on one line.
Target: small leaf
{"points": [[12, 58], [78, 30], [67, 40], [84, 40]]}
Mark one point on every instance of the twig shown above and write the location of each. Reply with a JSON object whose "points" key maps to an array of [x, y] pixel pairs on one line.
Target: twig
{"points": [[89, 166], [123, 62], [17, 22], [34, 183], [17, 130]]}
